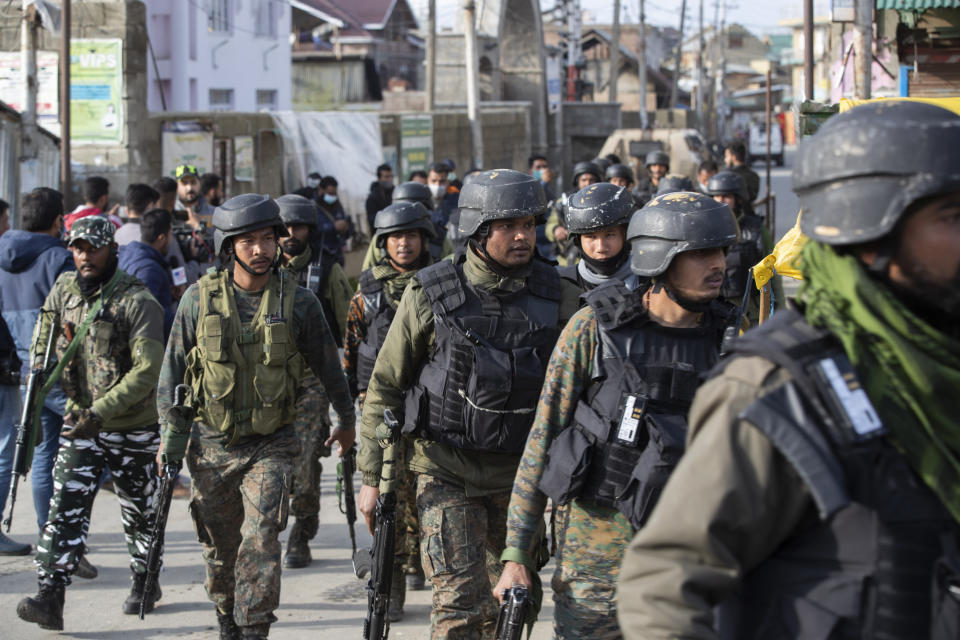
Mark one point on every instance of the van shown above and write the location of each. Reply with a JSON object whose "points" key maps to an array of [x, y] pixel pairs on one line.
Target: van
{"points": [[757, 143]]}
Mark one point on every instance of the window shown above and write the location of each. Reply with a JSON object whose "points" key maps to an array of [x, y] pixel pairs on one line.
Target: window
{"points": [[218, 16], [266, 99], [266, 18], [221, 99]]}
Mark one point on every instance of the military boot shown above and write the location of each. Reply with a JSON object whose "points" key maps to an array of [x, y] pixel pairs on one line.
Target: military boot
{"points": [[228, 628], [256, 631], [85, 570], [398, 595], [298, 545], [45, 608], [132, 604]]}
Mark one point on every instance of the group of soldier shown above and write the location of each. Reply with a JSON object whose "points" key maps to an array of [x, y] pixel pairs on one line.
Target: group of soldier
{"points": [[796, 481]]}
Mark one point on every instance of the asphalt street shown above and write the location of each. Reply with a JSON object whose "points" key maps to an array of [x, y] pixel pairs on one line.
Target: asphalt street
{"points": [[787, 204]]}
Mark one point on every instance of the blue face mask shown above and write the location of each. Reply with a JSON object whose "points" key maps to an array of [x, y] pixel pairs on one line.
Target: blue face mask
{"points": [[452, 176], [329, 199], [538, 174]]}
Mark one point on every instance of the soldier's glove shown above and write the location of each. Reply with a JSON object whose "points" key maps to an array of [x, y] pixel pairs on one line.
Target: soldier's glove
{"points": [[85, 424], [177, 434], [384, 435]]}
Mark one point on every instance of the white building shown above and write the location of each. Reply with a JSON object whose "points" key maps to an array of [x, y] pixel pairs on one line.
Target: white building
{"points": [[218, 55]]}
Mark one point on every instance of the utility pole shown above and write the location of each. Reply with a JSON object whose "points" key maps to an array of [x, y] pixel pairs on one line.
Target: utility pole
{"points": [[615, 53], [863, 48], [431, 54], [676, 68], [65, 177], [808, 49], [642, 68], [701, 81], [473, 88], [573, 47], [722, 77], [28, 114]]}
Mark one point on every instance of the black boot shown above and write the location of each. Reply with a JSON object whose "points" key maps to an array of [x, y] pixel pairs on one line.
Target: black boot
{"points": [[131, 605], [228, 628], [298, 545], [85, 570], [45, 608]]}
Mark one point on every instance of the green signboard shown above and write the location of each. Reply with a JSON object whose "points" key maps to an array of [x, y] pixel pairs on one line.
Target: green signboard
{"points": [[96, 91], [416, 143]]}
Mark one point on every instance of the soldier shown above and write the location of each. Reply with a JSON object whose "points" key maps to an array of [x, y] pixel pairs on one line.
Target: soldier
{"points": [[108, 333], [465, 357], [403, 232], [439, 246], [304, 258], [657, 164], [584, 175], [620, 175], [734, 157], [612, 416], [818, 494], [674, 182], [597, 219], [243, 338], [755, 243]]}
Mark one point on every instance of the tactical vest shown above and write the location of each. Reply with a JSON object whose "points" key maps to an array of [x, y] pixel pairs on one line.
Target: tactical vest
{"points": [[571, 274], [244, 375], [743, 256], [378, 313], [478, 390], [630, 424], [880, 561]]}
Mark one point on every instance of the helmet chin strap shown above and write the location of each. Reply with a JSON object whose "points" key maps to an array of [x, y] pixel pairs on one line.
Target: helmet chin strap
{"points": [[692, 306], [251, 271]]}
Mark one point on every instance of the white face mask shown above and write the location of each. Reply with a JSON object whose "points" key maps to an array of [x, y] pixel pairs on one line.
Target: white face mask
{"points": [[435, 189]]}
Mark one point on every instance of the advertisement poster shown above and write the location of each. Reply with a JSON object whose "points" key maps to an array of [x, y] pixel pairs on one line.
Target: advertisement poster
{"points": [[187, 143], [11, 86], [416, 143], [96, 91], [243, 158]]}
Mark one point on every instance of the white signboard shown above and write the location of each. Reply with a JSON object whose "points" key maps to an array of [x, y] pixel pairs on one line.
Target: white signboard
{"points": [[187, 143]]}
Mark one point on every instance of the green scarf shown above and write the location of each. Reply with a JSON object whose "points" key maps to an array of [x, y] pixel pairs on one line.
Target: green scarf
{"points": [[910, 371], [296, 264], [394, 282]]}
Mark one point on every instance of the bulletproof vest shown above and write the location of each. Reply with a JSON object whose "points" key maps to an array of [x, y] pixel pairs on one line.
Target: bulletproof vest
{"points": [[743, 256], [315, 277], [378, 313], [630, 423], [478, 390], [879, 559], [571, 274], [244, 374]]}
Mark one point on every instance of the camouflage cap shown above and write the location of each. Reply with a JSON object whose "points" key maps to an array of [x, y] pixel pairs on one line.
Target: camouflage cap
{"points": [[97, 230]]}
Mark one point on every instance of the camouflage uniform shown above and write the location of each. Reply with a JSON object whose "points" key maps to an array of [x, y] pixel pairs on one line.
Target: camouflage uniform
{"points": [[590, 539], [241, 491], [114, 373]]}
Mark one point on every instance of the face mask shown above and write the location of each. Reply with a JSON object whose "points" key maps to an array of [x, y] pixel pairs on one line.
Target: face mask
{"points": [[313, 183], [435, 189], [329, 199], [538, 174], [386, 184], [452, 176]]}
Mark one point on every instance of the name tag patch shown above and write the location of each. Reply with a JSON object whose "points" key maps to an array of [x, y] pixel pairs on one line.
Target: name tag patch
{"points": [[849, 395]]}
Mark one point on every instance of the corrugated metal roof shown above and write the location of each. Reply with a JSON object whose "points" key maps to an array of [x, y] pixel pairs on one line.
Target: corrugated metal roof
{"points": [[917, 5]]}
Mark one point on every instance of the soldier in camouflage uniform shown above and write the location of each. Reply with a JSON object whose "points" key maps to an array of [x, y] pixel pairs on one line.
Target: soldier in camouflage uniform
{"points": [[403, 232], [312, 424], [463, 362], [108, 333], [611, 418], [242, 339]]}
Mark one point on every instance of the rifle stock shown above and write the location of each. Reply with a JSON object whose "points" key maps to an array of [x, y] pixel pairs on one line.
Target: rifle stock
{"points": [[26, 430], [376, 626], [346, 468]]}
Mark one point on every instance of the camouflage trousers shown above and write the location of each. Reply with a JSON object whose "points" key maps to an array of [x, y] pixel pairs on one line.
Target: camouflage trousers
{"points": [[461, 539], [313, 428], [131, 457], [239, 507], [591, 541]]}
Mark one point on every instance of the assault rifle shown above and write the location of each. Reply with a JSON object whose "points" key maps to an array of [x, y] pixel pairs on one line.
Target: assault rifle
{"points": [[164, 497], [27, 429], [513, 612], [377, 625], [348, 506]]}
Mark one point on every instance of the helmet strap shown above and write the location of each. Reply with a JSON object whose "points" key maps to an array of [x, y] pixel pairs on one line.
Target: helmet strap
{"points": [[692, 306]]}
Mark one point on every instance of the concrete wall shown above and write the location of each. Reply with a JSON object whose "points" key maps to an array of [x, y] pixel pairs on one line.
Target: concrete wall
{"points": [[579, 130]]}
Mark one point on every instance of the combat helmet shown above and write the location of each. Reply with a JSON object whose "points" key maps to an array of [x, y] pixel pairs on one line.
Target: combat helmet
{"points": [[500, 194], [296, 209], [598, 206], [400, 216], [657, 157], [676, 222], [244, 213], [858, 174], [413, 192], [586, 167], [728, 182], [620, 171], [672, 183]]}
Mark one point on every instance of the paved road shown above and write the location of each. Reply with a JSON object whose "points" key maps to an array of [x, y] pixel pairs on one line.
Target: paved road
{"points": [[322, 601]]}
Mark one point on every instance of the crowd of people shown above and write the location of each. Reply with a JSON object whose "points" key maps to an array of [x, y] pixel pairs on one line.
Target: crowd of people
{"points": [[577, 375]]}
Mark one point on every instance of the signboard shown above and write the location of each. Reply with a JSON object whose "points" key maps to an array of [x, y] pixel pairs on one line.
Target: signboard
{"points": [[554, 84], [243, 158], [187, 143], [416, 143], [843, 10], [96, 91], [11, 86]]}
